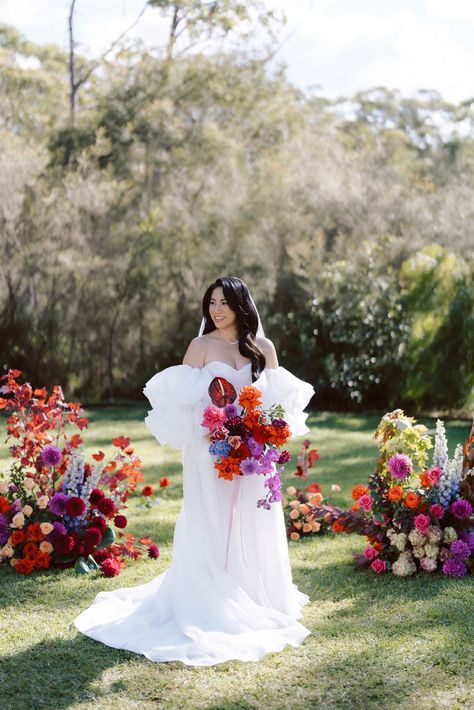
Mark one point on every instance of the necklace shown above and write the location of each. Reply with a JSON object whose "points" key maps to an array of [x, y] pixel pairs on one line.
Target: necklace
{"points": [[231, 342]]}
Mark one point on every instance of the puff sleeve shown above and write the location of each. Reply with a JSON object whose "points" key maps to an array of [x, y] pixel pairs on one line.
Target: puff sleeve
{"points": [[175, 395]]}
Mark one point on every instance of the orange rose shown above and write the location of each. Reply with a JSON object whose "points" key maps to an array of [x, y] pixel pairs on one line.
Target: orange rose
{"points": [[252, 418], [316, 498], [355, 507], [4, 504], [358, 491], [30, 550], [25, 565], [425, 479], [17, 537], [250, 397], [412, 500], [42, 560], [34, 534], [395, 493]]}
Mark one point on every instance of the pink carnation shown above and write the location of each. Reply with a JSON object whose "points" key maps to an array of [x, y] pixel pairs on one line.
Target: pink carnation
{"points": [[370, 553], [422, 523], [437, 510], [366, 502], [213, 418], [379, 565]]}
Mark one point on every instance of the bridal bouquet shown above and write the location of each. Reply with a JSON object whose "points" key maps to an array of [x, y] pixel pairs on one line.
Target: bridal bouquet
{"points": [[416, 517], [57, 509], [246, 442]]}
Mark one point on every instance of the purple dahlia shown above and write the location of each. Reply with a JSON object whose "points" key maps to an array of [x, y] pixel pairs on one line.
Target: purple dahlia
{"points": [[454, 568], [51, 455], [399, 466], [461, 509]]}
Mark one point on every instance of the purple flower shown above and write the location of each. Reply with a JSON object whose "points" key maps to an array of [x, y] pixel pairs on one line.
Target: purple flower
{"points": [[249, 466], [454, 568], [58, 530], [272, 455], [459, 549], [279, 423], [17, 505], [231, 411], [4, 529], [461, 509], [468, 538], [58, 504], [51, 455], [262, 503], [399, 466], [256, 449]]}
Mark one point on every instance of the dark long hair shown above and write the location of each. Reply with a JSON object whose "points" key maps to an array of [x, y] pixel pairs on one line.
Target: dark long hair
{"points": [[237, 295]]}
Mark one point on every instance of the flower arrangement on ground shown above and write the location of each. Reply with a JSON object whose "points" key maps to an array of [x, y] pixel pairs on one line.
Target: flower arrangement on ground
{"points": [[299, 503], [246, 442], [57, 509], [415, 517]]}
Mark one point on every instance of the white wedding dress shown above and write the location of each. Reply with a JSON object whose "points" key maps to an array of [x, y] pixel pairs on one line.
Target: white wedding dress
{"points": [[228, 593]]}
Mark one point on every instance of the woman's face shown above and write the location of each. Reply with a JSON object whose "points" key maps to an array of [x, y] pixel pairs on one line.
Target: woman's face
{"points": [[221, 313]]}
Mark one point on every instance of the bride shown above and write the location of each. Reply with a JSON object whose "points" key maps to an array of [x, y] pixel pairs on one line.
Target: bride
{"points": [[228, 593]]}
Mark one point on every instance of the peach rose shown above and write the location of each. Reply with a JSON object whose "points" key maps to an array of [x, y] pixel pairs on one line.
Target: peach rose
{"points": [[28, 483], [307, 527], [335, 488], [3, 488], [42, 502], [27, 510], [45, 546], [13, 561], [303, 508], [316, 498], [294, 503], [7, 551], [294, 536], [291, 490], [46, 528], [294, 514], [18, 520], [315, 526]]}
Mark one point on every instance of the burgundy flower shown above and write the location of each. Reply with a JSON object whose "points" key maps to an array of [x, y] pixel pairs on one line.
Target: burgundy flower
{"points": [[106, 506], [120, 521], [75, 506], [110, 567], [64, 544], [101, 555], [96, 496], [98, 522], [92, 537], [285, 456], [153, 551]]}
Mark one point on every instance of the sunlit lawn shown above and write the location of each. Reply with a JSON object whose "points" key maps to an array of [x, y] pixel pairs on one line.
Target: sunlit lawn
{"points": [[377, 642]]}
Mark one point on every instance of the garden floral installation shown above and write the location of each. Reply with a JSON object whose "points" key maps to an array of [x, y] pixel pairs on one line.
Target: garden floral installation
{"points": [[299, 504], [416, 518], [248, 442], [56, 509]]}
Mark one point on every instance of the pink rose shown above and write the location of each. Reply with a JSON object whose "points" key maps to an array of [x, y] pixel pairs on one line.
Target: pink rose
{"points": [[235, 441], [370, 553], [434, 474], [366, 502], [213, 418], [378, 565], [437, 510], [422, 523], [219, 434]]}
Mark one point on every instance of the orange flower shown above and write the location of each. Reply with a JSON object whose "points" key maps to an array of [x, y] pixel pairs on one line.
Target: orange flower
{"points": [[425, 479], [42, 560], [355, 507], [294, 536], [250, 397], [314, 488], [228, 468], [4, 504], [377, 546], [25, 565], [316, 498], [17, 537], [34, 534], [252, 418], [30, 550], [395, 493], [278, 435], [412, 500], [147, 491], [337, 526], [358, 491]]}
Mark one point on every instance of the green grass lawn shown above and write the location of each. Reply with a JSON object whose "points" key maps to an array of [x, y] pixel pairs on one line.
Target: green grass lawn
{"points": [[376, 642]]}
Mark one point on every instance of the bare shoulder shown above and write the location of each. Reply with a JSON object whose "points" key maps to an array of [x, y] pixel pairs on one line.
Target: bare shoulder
{"points": [[196, 352], [269, 351]]}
